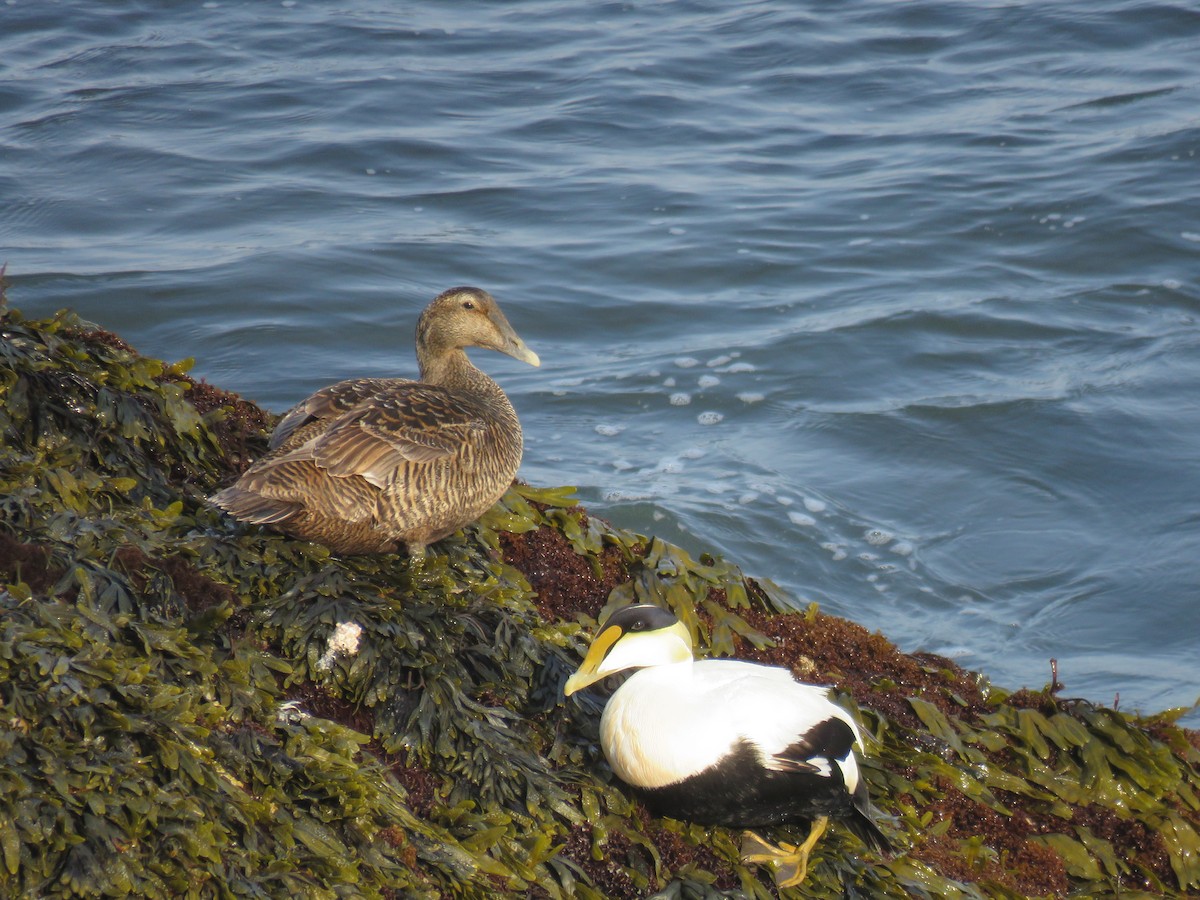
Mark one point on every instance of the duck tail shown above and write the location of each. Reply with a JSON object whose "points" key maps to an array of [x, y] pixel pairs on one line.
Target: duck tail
{"points": [[861, 823], [249, 506]]}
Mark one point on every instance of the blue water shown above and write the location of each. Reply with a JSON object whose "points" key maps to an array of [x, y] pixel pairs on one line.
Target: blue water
{"points": [[895, 303]]}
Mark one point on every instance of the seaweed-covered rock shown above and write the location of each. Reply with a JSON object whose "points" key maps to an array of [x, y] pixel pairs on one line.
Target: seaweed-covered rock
{"points": [[190, 707]]}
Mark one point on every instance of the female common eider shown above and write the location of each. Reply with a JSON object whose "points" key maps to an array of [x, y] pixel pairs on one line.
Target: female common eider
{"points": [[725, 742], [368, 464]]}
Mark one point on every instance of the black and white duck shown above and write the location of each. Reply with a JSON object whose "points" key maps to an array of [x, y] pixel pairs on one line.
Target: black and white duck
{"points": [[725, 742]]}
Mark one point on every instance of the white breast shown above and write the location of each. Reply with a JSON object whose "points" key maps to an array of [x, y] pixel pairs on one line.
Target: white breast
{"points": [[669, 722]]}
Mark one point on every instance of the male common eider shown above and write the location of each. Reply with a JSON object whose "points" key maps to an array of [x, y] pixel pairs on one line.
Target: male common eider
{"points": [[725, 742], [368, 464]]}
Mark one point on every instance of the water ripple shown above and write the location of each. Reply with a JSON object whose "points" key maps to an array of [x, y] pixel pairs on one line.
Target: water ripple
{"points": [[894, 302]]}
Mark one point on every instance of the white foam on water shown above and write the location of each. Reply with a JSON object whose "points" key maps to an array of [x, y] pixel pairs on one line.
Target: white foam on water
{"points": [[954, 651], [877, 537], [622, 496], [707, 381], [709, 418], [812, 504], [687, 362], [799, 518], [668, 382], [751, 397], [739, 367], [681, 399], [693, 453], [609, 430], [720, 360]]}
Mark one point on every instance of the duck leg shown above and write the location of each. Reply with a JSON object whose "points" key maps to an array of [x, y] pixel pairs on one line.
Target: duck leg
{"points": [[790, 862]]}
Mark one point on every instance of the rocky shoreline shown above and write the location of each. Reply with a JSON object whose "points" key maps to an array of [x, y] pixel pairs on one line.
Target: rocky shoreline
{"points": [[193, 708]]}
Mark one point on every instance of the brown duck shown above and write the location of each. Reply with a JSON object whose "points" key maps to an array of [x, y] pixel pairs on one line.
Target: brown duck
{"points": [[368, 464]]}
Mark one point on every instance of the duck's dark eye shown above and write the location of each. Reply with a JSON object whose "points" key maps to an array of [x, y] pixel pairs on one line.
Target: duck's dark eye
{"points": [[639, 625], [468, 304]]}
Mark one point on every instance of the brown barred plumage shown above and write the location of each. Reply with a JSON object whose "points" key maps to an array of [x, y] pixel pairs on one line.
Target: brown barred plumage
{"points": [[368, 464]]}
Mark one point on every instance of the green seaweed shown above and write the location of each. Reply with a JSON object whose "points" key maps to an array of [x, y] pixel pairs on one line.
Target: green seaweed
{"points": [[177, 721]]}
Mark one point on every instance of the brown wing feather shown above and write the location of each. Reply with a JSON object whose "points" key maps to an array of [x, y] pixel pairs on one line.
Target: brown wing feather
{"points": [[279, 487], [409, 423], [329, 403]]}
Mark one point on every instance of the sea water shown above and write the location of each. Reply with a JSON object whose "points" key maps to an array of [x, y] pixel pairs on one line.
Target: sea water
{"points": [[894, 303]]}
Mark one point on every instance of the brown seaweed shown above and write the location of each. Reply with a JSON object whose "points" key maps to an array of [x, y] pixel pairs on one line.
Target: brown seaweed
{"points": [[180, 714]]}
